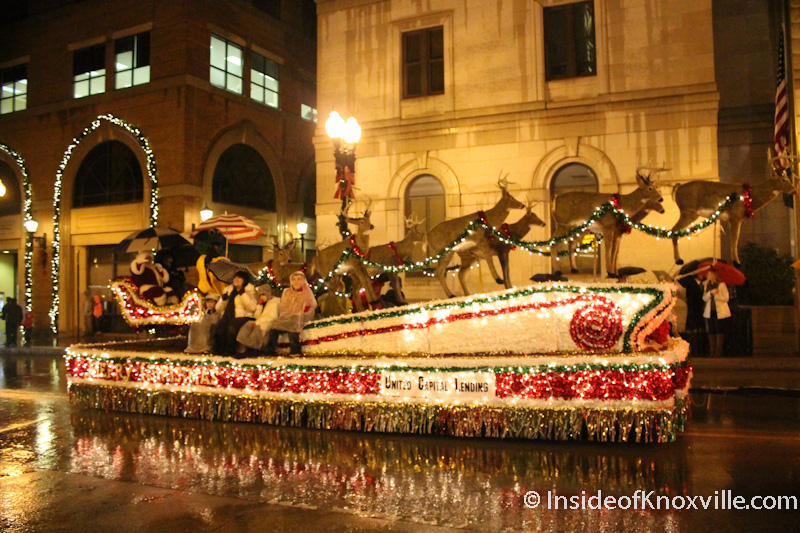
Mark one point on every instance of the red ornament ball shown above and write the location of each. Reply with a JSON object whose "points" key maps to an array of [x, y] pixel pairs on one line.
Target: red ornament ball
{"points": [[597, 326]]}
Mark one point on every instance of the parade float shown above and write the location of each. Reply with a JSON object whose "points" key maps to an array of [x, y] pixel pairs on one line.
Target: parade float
{"points": [[556, 360], [549, 361]]}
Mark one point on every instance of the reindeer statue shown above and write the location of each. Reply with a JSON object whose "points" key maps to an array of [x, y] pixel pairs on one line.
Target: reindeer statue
{"points": [[326, 259], [572, 209], [614, 236], [445, 233], [281, 264], [488, 247], [396, 253], [702, 198]]}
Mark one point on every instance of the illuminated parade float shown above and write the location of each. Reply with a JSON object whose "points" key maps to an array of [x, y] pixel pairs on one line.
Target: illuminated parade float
{"points": [[549, 361]]}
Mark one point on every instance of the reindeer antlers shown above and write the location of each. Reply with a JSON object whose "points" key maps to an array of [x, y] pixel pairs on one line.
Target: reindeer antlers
{"points": [[503, 182], [646, 177], [413, 220], [530, 202]]}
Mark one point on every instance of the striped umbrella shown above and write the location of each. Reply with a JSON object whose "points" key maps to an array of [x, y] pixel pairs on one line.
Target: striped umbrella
{"points": [[235, 228], [152, 239]]}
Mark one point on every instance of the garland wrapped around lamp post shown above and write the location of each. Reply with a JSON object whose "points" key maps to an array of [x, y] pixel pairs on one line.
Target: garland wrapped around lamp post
{"points": [[27, 215], [151, 172]]}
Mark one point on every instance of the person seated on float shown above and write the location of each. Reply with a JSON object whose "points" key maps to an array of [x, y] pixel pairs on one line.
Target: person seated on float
{"points": [[296, 310], [391, 298], [253, 335], [377, 287], [237, 305], [201, 332], [335, 302], [177, 279], [151, 279]]}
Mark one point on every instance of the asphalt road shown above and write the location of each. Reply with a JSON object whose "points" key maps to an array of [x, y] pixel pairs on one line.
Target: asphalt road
{"points": [[69, 469]]}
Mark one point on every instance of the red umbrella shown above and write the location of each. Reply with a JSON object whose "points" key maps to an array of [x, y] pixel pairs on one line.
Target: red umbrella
{"points": [[235, 228], [725, 272]]}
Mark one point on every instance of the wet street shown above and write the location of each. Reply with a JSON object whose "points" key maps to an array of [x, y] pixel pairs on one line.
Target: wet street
{"points": [[69, 469]]}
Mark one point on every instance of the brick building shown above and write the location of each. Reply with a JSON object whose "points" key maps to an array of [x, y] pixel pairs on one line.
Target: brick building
{"points": [[119, 114]]}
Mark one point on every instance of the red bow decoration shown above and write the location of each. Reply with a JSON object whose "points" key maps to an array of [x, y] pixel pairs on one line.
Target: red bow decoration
{"points": [[345, 181], [747, 192]]}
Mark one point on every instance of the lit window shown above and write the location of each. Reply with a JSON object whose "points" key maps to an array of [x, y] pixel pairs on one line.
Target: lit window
{"points": [[569, 46], [132, 61], [308, 112], [14, 93], [89, 71], [423, 62], [227, 64], [264, 80]]}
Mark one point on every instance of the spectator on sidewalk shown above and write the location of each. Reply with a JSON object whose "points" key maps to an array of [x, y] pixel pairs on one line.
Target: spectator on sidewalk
{"points": [[12, 314]]}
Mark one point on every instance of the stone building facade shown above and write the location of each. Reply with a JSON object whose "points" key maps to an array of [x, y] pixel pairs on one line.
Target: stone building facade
{"points": [[211, 102], [636, 86]]}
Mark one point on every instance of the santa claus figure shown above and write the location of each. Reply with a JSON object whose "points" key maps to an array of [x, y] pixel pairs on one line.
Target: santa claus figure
{"points": [[150, 278]]}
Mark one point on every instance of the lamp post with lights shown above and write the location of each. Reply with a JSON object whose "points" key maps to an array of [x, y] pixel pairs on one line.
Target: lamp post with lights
{"points": [[302, 229], [345, 137]]}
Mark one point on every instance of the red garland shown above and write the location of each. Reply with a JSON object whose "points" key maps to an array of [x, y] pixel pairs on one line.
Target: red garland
{"points": [[747, 194], [355, 247], [482, 216], [397, 259], [506, 234], [599, 384], [464, 316], [654, 385], [621, 226], [597, 326]]}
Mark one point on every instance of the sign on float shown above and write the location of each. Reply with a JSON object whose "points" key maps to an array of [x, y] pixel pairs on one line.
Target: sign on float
{"points": [[438, 385]]}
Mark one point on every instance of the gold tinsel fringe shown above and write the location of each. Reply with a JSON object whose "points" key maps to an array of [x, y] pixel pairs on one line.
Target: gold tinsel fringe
{"points": [[603, 425]]}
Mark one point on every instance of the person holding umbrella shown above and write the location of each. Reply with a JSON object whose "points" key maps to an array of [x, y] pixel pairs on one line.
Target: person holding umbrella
{"points": [[237, 305], [717, 312]]}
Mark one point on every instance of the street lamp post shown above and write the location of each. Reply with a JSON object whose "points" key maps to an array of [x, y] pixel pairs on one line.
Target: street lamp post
{"points": [[345, 136], [302, 228]]}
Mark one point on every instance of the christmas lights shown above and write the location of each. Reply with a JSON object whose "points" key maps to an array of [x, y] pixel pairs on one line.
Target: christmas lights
{"points": [[536, 319], [27, 214], [151, 172], [608, 397], [138, 311], [625, 223]]}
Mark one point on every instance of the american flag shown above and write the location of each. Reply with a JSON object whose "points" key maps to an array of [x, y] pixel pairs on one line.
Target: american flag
{"points": [[781, 138]]}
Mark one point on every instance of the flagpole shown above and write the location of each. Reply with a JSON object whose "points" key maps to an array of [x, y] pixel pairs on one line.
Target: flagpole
{"points": [[786, 32]]}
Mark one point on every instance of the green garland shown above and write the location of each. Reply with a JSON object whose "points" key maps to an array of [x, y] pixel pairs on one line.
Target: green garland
{"points": [[538, 369], [532, 247]]}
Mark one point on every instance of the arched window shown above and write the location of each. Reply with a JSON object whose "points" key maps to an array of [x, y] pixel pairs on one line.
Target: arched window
{"points": [[11, 201], [425, 198], [109, 174], [243, 178], [575, 177]]}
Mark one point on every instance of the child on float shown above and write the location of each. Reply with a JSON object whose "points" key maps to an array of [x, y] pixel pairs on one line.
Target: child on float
{"points": [[295, 311], [237, 305], [201, 332], [253, 335]]}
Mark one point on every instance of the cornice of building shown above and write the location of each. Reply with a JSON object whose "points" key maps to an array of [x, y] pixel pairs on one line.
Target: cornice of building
{"points": [[695, 98]]}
